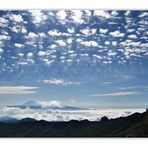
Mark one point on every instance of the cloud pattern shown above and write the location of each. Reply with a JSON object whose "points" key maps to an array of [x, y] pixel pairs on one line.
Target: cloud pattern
{"points": [[62, 42]]}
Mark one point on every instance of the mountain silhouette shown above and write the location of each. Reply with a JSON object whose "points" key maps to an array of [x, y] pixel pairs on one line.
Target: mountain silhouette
{"points": [[135, 125], [8, 119]]}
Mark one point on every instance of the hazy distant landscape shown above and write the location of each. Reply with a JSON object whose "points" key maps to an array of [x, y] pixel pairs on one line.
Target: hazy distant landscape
{"points": [[54, 111]]}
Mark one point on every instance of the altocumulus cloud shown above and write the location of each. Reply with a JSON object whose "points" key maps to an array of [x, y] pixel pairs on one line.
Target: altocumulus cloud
{"points": [[117, 94], [60, 82], [17, 89]]}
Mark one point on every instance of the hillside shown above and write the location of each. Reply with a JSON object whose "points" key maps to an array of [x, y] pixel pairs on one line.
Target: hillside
{"points": [[135, 125]]}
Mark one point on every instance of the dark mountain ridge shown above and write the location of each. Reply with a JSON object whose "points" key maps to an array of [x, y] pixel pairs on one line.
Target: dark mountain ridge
{"points": [[135, 125]]}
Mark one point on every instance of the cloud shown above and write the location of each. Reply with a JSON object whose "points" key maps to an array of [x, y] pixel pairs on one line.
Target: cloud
{"points": [[61, 42], [71, 30], [19, 45], [38, 17], [114, 13], [60, 82], [116, 94], [57, 33], [30, 55], [19, 29], [16, 18], [31, 35], [17, 90], [41, 53], [77, 16], [4, 37], [61, 15], [132, 36], [88, 31], [103, 30], [117, 34], [144, 14], [89, 43], [3, 22], [1, 50], [102, 13], [97, 57], [65, 115]]}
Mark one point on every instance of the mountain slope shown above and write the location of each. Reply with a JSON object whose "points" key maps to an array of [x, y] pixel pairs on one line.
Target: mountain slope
{"points": [[134, 125], [7, 119]]}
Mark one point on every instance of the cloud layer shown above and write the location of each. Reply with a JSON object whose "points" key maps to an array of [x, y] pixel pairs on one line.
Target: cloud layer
{"points": [[17, 90], [124, 93], [65, 115]]}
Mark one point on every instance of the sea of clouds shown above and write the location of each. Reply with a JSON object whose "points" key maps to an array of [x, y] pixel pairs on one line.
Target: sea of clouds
{"points": [[65, 115]]}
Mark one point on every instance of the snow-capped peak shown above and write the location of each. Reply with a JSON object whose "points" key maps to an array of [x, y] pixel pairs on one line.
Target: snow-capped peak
{"points": [[43, 104]]}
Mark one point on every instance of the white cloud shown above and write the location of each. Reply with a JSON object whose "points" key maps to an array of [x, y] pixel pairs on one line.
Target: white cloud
{"points": [[30, 55], [77, 16], [53, 46], [41, 53], [4, 37], [117, 94], [87, 12], [38, 17], [17, 90], [111, 53], [48, 62], [117, 34], [127, 13], [97, 57], [130, 30], [19, 45], [16, 18], [102, 13], [88, 31], [42, 35], [57, 33], [61, 15], [69, 41], [114, 13], [1, 50], [114, 43], [70, 30], [19, 29], [107, 62], [3, 22], [132, 36], [103, 30], [23, 30], [61, 42], [144, 14], [60, 82], [107, 43], [31, 35], [130, 43], [89, 43]]}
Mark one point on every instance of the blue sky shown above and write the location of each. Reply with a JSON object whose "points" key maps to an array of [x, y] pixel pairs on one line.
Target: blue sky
{"points": [[89, 58]]}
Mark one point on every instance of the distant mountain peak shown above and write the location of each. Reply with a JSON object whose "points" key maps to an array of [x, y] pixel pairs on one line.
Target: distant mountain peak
{"points": [[35, 104], [43, 104]]}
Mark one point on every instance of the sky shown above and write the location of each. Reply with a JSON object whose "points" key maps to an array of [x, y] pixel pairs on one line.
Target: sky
{"points": [[85, 58]]}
